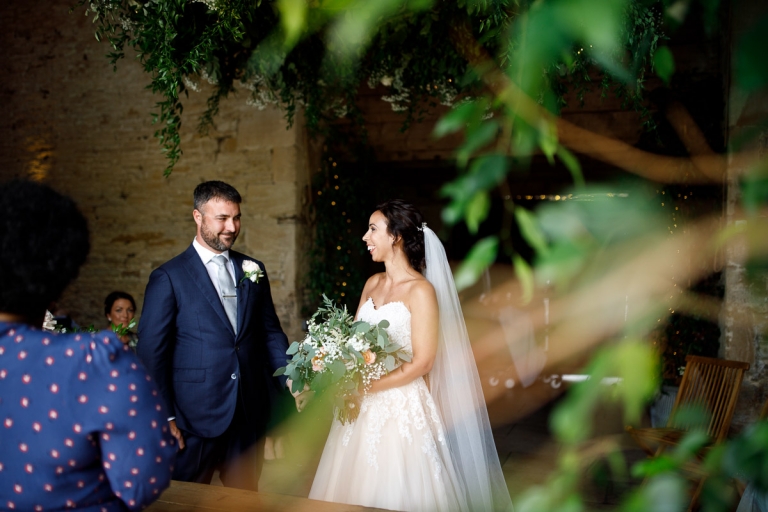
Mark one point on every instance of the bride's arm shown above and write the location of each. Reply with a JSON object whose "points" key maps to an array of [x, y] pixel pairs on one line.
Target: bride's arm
{"points": [[424, 321]]}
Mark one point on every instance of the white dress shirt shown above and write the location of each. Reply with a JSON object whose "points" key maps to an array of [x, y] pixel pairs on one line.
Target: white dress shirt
{"points": [[207, 255]]}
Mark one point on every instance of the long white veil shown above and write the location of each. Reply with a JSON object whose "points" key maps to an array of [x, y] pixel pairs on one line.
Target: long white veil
{"points": [[455, 387]]}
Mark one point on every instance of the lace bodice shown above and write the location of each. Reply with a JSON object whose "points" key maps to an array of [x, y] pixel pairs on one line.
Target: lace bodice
{"points": [[398, 316]]}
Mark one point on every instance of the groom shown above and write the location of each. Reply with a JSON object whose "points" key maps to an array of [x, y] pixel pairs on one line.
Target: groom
{"points": [[211, 339]]}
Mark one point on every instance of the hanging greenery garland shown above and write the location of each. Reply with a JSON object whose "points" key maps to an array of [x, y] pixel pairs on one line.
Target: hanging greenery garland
{"points": [[413, 50]]}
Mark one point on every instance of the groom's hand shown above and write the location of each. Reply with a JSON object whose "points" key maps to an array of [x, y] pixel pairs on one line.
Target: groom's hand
{"points": [[302, 397], [175, 432]]}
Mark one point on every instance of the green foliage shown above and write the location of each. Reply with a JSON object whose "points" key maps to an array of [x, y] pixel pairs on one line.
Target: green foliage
{"points": [[482, 254], [579, 229], [634, 363], [316, 55], [664, 63], [122, 330], [755, 188], [71, 330], [485, 173], [750, 52]]}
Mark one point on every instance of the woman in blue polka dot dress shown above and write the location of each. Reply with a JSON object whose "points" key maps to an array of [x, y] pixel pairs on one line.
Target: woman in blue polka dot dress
{"points": [[81, 423]]}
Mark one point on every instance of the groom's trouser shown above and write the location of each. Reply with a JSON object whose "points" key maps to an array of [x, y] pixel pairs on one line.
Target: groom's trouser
{"points": [[237, 454]]}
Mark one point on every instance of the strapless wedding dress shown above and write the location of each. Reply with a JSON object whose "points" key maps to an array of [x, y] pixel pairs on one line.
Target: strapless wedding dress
{"points": [[394, 456]]}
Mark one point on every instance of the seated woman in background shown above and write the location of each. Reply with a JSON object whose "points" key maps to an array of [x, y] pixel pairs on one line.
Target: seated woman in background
{"points": [[120, 308], [81, 423]]}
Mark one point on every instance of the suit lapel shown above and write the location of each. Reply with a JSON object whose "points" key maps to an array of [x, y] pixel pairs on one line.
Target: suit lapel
{"points": [[199, 274], [243, 289]]}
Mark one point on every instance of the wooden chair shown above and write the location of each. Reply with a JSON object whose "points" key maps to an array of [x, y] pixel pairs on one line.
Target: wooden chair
{"points": [[713, 384]]}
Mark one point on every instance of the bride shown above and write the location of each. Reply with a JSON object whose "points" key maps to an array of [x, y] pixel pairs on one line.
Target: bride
{"points": [[422, 440]]}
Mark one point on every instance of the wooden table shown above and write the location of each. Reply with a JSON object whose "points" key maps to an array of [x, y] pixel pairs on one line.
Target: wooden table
{"points": [[186, 496]]}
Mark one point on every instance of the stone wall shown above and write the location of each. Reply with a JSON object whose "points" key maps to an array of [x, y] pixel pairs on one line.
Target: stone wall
{"points": [[70, 121], [745, 316]]}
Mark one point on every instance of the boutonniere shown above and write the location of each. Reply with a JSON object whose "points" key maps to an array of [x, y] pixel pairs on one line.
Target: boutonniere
{"points": [[252, 271]]}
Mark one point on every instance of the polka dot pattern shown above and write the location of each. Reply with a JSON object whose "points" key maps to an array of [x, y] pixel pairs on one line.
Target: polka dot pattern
{"points": [[82, 425]]}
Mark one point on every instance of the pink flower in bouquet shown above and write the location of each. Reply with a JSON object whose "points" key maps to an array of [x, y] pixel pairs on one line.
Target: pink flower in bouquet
{"points": [[369, 357], [317, 363]]}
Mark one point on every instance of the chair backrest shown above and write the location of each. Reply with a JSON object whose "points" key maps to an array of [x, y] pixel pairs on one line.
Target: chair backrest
{"points": [[763, 411], [713, 384]]}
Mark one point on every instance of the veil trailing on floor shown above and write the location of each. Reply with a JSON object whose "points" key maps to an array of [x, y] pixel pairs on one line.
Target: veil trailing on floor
{"points": [[455, 387]]}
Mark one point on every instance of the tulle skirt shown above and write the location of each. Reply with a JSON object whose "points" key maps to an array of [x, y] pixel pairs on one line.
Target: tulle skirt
{"points": [[394, 456]]}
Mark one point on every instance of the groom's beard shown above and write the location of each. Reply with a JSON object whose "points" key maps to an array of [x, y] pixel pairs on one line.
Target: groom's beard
{"points": [[216, 241]]}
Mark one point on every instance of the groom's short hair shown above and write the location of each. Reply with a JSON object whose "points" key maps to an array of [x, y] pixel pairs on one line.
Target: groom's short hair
{"points": [[208, 190], [43, 243]]}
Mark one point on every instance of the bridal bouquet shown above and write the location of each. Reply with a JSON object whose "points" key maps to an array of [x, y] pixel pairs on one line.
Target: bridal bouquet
{"points": [[343, 355]]}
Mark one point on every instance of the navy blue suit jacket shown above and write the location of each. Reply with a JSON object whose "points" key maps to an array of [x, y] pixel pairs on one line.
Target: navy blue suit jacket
{"points": [[198, 362]]}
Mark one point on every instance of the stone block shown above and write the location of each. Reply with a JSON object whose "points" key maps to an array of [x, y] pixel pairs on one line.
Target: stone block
{"points": [[252, 166], [273, 201], [261, 129], [285, 165]]}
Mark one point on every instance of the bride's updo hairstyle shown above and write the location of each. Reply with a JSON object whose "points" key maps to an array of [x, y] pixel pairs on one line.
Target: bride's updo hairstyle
{"points": [[404, 221]]}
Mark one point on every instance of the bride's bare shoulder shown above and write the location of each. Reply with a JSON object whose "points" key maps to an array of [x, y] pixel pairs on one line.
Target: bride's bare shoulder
{"points": [[421, 290], [372, 282]]}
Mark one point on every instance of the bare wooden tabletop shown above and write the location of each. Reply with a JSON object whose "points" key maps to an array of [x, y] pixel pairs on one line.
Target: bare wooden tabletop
{"points": [[186, 496]]}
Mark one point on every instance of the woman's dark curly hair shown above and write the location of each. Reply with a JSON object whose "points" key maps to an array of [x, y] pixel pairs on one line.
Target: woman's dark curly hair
{"points": [[405, 221], [112, 297], [43, 243]]}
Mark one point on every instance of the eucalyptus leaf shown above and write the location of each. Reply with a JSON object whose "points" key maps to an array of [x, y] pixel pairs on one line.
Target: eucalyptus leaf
{"points": [[664, 63], [548, 140], [524, 274], [455, 120], [293, 18], [389, 363], [477, 210], [321, 381], [572, 164], [361, 327], [484, 173], [293, 348], [337, 369], [476, 139], [654, 466], [480, 257], [297, 385], [531, 231]]}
